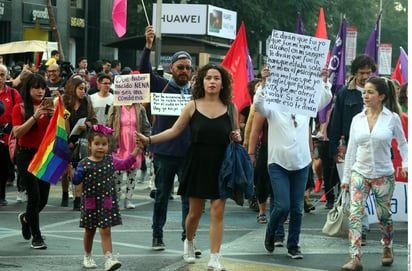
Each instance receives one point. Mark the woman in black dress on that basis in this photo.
(207, 115)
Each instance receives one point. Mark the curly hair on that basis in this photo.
(69, 97)
(226, 92)
(361, 61)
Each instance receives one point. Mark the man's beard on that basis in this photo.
(181, 80)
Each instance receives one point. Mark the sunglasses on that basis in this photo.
(182, 67)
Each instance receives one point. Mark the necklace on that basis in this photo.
(293, 116)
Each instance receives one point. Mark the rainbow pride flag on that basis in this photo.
(50, 161)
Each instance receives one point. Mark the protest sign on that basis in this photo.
(131, 88)
(295, 63)
(168, 104)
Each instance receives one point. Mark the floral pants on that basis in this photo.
(360, 187)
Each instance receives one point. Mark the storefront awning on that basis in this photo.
(25, 46)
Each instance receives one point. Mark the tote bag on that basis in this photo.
(338, 218)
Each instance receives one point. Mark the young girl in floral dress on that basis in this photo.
(99, 207)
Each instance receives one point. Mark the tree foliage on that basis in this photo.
(262, 16)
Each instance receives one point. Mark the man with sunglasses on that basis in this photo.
(169, 156)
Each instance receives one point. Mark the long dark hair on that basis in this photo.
(386, 87)
(33, 80)
(69, 97)
(402, 94)
(226, 92)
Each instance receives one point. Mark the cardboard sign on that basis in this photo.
(131, 88)
(295, 63)
(168, 104)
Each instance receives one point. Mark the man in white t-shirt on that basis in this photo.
(103, 99)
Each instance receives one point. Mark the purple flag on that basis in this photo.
(404, 65)
(372, 48)
(249, 66)
(301, 29)
(337, 73)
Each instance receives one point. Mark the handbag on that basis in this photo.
(337, 219)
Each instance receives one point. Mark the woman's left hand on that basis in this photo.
(235, 136)
(404, 172)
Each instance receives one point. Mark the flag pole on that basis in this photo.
(145, 13)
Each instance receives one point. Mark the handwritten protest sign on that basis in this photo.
(168, 103)
(131, 88)
(295, 63)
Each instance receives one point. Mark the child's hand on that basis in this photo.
(136, 150)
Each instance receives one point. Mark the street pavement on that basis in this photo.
(242, 247)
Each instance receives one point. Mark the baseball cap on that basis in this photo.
(181, 55)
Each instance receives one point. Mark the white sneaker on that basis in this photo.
(214, 263)
(128, 204)
(189, 251)
(21, 197)
(88, 262)
(112, 264)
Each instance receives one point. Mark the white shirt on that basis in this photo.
(288, 145)
(99, 105)
(369, 153)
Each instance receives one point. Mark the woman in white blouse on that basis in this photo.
(368, 165)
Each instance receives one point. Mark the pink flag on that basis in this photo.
(119, 15)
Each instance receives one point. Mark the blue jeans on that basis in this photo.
(288, 196)
(165, 168)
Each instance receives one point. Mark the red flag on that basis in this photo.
(119, 15)
(235, 60)
(397, 73)
(321, 30)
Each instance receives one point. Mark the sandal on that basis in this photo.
(261, 219)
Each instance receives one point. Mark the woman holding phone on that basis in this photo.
(30, 121)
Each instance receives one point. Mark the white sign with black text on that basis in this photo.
(295, 63)
(131, 88)
(169, 104)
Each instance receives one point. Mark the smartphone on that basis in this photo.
(48, 102)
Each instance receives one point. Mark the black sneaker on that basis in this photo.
(157, 244)
(38, 243)
(279, 241)
(269, 243)
(295, 253)
(25, 227)
(76, 204)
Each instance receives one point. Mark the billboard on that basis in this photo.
(221, 22)
(182, 19)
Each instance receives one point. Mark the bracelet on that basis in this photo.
(34, 117)
(149, 141)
